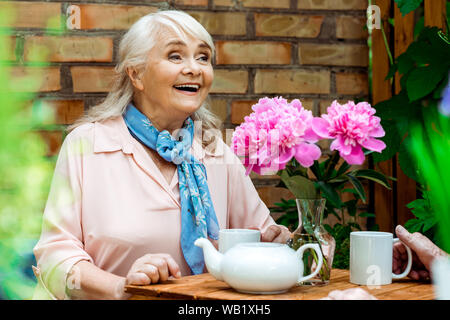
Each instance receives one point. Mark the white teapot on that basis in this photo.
(259, 267)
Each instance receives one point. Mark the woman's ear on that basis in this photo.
(135, 78)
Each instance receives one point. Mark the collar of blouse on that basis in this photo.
(113, 135)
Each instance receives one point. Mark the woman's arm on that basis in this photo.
(87, 281)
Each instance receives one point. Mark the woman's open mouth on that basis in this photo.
(188, 88)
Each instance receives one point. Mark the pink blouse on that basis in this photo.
(109, 204)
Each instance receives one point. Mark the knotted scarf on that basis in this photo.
(198, 218)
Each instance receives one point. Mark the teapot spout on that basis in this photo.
(213, 258)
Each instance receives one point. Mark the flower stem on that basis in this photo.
(324, 270)
(332, 164)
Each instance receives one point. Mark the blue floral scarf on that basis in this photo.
(198, 218)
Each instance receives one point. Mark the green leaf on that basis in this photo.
(428, 224)
(413, 225)
(405, 63)
(351, 207)
(301, 187)
(372, 175)
(437, 94)
(420, 53)
(343, 168)
(330, 194)
(420, 24)
(406, 6)
(392, 70)
(423, 80)
(337, 181)
(418, 203)
(354, 225)
(393, 108)
(353, 191)
(358, 186)
(367, 215)
(392, 139)
(315, 168)
(407, 163)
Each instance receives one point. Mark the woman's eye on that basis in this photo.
(174, 57)
(204, 58)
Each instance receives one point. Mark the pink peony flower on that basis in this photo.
(274, 133)
(352, 127)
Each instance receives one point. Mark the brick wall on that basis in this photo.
(314, 50)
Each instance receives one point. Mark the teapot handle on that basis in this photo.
(299, 253)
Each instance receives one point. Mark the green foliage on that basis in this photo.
(406, 6)
(425, 221)
(25, 177)
(424, 69)
(330, 181)
(431, 148)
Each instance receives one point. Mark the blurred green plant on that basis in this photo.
(431, 149)
(424, 68)
(25, 170)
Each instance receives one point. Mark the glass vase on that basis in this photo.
(311, 230)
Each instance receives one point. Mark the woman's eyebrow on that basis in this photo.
(182, 43)
(204, 45)
(175, 43)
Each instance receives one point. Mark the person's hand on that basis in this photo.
(152, 268)
(423, 250)
(349, 294)
(276, 233)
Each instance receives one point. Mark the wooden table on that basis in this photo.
(205, 286)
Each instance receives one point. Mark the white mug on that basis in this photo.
(371, 258)
(228, 238)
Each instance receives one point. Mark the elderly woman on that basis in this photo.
(135, 184)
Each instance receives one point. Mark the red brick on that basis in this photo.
(271, 195)
(240, 109)
(53, 140)
(292, 81)
(92, 79)
(352, 83)
(68, 49)
(280, 4)
(334, 54)
(219, 108)
(113, 17)
(64, 111)
(33, 79)
(27, 14)
(333, 4)
(230, 81)
(292, 25)
(254, 52)
(349, 27)
(222, 23)
(192, 2)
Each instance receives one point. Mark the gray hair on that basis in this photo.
(133, 53)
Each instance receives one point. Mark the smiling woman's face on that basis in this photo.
(177, 78)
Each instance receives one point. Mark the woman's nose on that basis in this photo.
(192, 67)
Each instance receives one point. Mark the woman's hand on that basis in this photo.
(276, 233)
(152, 268)
(349, 294)
(423, 250)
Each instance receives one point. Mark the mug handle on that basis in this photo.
(299, 253)
(408, 266)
